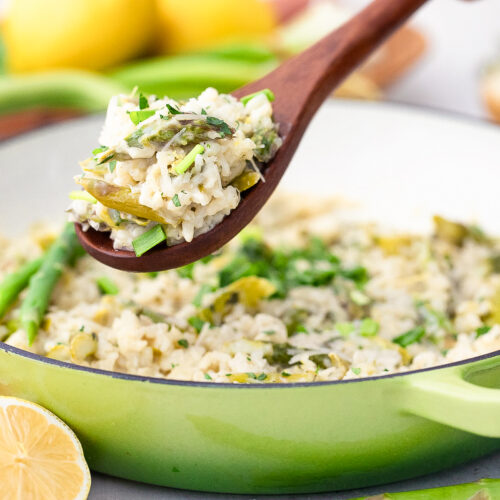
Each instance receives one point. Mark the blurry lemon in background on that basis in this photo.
(195, 24)
(89, 34)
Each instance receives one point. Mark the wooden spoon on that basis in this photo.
(300, 85)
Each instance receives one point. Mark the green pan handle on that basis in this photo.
(449, 399)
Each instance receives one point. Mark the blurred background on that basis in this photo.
(61, 59)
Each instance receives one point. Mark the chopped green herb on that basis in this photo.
(183, 343)
(268, 332)
(148, 240)
(172, 110)
(345, 328)
(82, 328)
(223, 127)
(279, 355)
(359, 298)
(82, 195)
(285, 374)
(262, 376)
(322, 361)
(203, 111)
(267, 92)
(188, 160)
(410, 337)
(112, 166)
(301, 329)
(152, 274)
(207, 376)
(107, 286)
(204, 289)
(143, 102)
(356, 371)
(482, 330)
(368, 328)
(176, 200)
(139, 116)
(252, 375)
(98, 150)
(196, 323)
(249, 358)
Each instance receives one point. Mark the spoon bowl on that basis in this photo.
(300, 86)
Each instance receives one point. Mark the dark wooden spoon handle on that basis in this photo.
(305, 81)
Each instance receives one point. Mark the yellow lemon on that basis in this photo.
(40, 456)
(195, 24)
(88, 34)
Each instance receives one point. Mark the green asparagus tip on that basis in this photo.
(31, 329)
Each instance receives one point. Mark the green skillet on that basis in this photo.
(280, 438)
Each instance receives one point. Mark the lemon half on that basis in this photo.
(40, 456)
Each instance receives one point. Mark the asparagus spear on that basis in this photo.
(62, 252)
(484, 489)
(13, 284)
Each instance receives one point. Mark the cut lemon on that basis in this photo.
(40, 456)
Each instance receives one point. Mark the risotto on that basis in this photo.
(172, 170)
(301, 295)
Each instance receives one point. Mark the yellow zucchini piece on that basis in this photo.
(60, 352)
(450, 231)
(119, 198)
(82, 346)
(392, 245)
(251, 290)
(246, 180)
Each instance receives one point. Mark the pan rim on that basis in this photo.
(214, 385)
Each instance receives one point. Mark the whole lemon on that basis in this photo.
(89, 34)
(196, 24)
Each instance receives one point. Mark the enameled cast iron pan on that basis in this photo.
(404, 164)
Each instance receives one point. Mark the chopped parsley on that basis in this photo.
(143, 101)
(139, 116)
(203, 111)
(183, 343)
(482, 330)
(283, 267)
(285, 374)
(223, 127)
(196, 323)
(268, 332)
(356, 371)
(176, 200)
(368, 328)
(172, 110)
(100, 149)
(207, 376)
(345, 328)
(82, 328)
(204, 289)
(410, 337)
(107, 286)
(112, 166)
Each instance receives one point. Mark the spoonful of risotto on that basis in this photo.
(175, 181)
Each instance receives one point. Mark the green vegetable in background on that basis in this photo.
(484, 489)
(13, 284)
(79, 90)
(62, 253)
(183, 76)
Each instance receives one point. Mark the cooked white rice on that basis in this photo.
(445, 289)
(138, 164)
